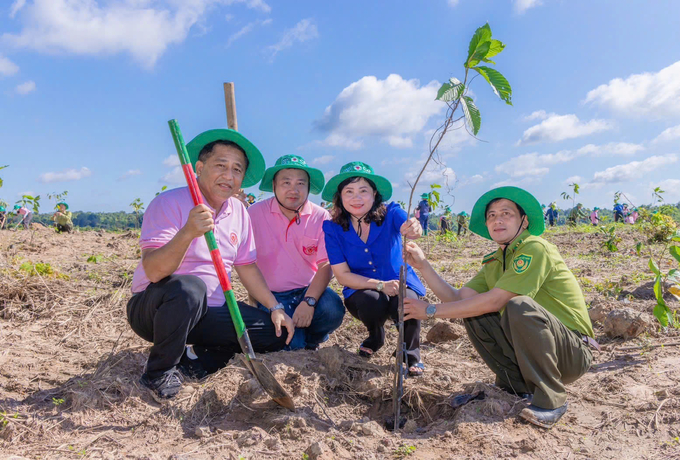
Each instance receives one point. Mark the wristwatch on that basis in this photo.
(311, 301)
(278, 306)
(431, 310)
(379, 287)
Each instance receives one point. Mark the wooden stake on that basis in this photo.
(230, 104)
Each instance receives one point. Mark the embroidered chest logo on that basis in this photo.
(233, 238)
(521, 263)
(310, 250)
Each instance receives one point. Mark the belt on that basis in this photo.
(591, 342)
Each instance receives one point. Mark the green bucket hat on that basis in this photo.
(17, 206)
(256, 163)
(316, 179)
(425, 196)
(518, 196)
(357, 169)
(596, 208)
(463, 213)
(61, 202)
(2, 209)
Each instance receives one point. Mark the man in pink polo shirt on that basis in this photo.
(177, 296)
(291, 250)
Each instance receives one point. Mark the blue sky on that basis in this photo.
(87, 87)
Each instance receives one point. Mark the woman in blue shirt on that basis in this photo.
(364, 245)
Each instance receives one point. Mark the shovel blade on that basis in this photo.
(269, 383)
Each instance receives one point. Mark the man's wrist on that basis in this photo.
(278, 306)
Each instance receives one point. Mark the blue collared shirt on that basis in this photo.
(380, 257)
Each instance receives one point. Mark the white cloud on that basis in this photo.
(557, 128)
(396, 161)
(252, 4)
(521, 6)
(453, 142)
(612, 148)
(303, 31)
(16, 6)
(246, 29)
(141, 28)
(174, 177)
(7, 67)
(632, 170)
(434, 174)
(669, 134)
(65, 176)
(453, 3)
(393, 110)
(329, 174)
(171, 161)
(228, 17)
(537, 115)
(646, 94)
(130, 173)
(477, 178)
(533, 164)
(671, 187)
(25, 88)
(323, 160)
(573, 179)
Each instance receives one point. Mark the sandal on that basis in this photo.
(416, 370)
(365, 352)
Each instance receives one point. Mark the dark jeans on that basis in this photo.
(423, 223)
(373, 308)
(68, 228)
(462, 228)
(174, 312)
(328, 315)
(618, 216)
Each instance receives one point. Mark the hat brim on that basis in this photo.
(383, 185)
(65, 205)
(256, 164)
(518, 196)
(316, 179)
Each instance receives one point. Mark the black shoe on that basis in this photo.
(164, 387)
(191, 369)
(544, 418)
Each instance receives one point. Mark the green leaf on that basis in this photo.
(499, 85)
(450, 92)
(434, 186)
(495, 47)
(658, 292)
(479, 54)
(675, 252)
(472, 116)
(654, 267)
(662, 314)
(482, 35)
(638, 247)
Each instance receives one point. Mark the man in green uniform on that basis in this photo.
(524, 311)
(576, 214)
(62, 217)
(462, 223)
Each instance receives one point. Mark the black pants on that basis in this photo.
(618, 216)
(463, 228)
(174, 312)
(373, 308)
(68, 228)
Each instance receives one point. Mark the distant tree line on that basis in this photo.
(112, 221)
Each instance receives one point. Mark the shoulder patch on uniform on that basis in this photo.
(521, 263)
(489, 258)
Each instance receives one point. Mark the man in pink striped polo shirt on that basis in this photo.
(177, 296)
(291, 250)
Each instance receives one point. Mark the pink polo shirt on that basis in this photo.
(169, 211)
(288, 261)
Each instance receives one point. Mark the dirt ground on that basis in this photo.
(69, 370)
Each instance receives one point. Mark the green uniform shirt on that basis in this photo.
(64, 218)
(462, 221)
(534, 268)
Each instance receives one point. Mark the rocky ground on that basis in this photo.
(69, 369)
